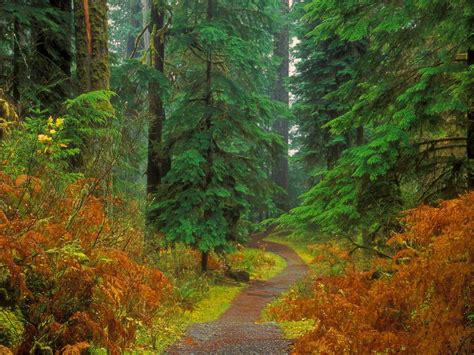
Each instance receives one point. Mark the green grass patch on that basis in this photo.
(300, 246)
(297, 329)
(260, 264)
(214, 305)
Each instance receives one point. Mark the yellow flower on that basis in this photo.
(59, 122)
(44, 138)
(52, 131)
(50, 120)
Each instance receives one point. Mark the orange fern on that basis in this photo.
(422, 303)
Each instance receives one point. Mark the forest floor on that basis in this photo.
(237, 331)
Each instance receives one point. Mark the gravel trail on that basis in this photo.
(235, 332)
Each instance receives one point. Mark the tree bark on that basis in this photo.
(92, 55)
(280, 93)
(158, 165)
(146, 35)
(19, 67)
(92, 61)
(470, 134)
(208, 103)
(204, 261)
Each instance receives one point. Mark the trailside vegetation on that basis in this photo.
(419, 301)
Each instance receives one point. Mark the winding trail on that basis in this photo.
(236, 331)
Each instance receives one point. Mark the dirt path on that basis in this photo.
(236, 332)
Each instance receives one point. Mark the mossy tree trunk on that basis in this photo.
(92, 60)
(19, 68)
(280, 93)
(92, 56)
(158, 164)
(208, 124)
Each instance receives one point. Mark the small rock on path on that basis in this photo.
(235, 332)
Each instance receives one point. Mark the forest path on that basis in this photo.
(236, 331)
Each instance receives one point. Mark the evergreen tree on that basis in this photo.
(325, 65)
(215, 132)
(409, 94)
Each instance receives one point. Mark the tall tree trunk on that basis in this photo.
(470, 133)
(204, 261)
(146, 35)
(280, 93)
(92, 54)
(158, 165)
(19, 67)
(92, 59)
(136, 24)
(208, 103)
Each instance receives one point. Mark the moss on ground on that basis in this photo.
(260, 264)
(300, 246)
(296, 329)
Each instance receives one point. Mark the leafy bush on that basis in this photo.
(11, 327)
(69, 271)
(181, 264)
(258, 263)
(419, 302)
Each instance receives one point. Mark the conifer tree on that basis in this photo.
(215, 132)
(36, 52)
(411, 97)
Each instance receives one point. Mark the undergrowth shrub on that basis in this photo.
(69, 273)
(181, 264)
(418, 302)
(257, 262)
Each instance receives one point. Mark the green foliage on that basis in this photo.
(260, 264)
(35, 53)
(39, 145)
(89, 115)
(181, 265)
(297, 329)
(215, 131)
(388, 70)
(11, 327)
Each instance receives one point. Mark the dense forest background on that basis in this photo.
(144, 141)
